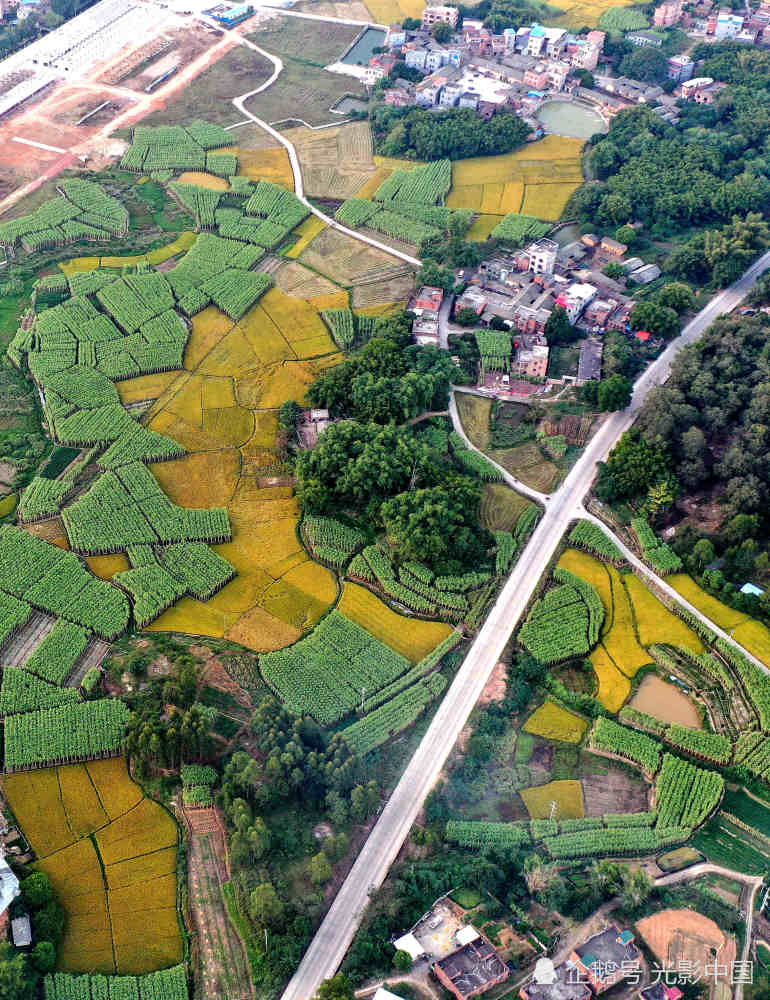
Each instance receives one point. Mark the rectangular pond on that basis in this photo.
(362, 50)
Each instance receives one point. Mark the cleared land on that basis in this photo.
(111, 855)
(336, 162)
(304, 91)
(537, 180)
(676, 936)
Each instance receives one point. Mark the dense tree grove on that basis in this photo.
(296, 777)
(457, 133)
(707, 429)
(382, 468)
(21, 971)
(711, 170)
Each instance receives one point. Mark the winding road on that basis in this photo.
(334, 936)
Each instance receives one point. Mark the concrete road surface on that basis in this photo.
(328, 947)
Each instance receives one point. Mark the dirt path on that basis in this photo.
(223, 967)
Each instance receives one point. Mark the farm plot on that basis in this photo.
(336, 162)
(591, 14)
(654, 622)
(553, 722)
(526, 462)
(223, 407)
(557, 800)
(410, 637)
(111, 856)
(537, 180)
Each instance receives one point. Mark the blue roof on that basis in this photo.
(537, 30)
(752, 589)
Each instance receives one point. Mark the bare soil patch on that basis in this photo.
(676, 936)
(617, 791)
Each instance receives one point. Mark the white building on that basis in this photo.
(9, 890)
(728, 25)
(542, 256)
(546, 41)
(440, 15)
(575, 299)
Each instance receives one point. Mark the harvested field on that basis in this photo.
(553, 722)
(24, 643)
(289, 38)
(411, 637)
(568, 796)
(97, 837)
(307, 232)
(609, 788)
(296, 280)
(677, 936)
(501, 507)
(665, 701)
(336, 162)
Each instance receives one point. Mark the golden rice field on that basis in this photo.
(584, 14)
(568, 796)
(202, 179)
(553, 722)
(720, 614)
(537, 180)
(105, 567)
(411, 637)
(755, 637)
(307, 232)
(111, 855)
(620, 641)
(655, 623)
(593, 571)
(266, 165)
(613, 686)
(80, 265)
(394, 11)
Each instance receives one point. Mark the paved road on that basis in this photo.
(299, 187)
(326, 951)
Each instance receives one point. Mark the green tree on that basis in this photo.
(645, 63)
(36, 890)
(558, 329)
(677, 296)
(442, 32)
(626, 234)
(659, 320)
(320, 869)
(614, 393)
(44, 957)
(433, 274)
(14, 978)
(265, 906)
(636, 888)
(615, 270)
(466, 316)
(289, 415)
(402, 961)
(338, 987)
(702, 554)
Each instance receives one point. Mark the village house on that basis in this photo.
(668, 14)
(565, 985)
(680, 68)
(590, 360)
(532, 361)
(644, 38)
(440, 15)
(474, 968)
(607, 958)
(726, 25)
(702, 90)
(546, 41)
(9, 890)
(425, 306)
(575, 298)
(542, 256)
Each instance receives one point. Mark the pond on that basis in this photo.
(347, 105)
(362, 50)
(666, 702)
(571, 118)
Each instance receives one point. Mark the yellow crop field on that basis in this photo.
(334, 300)
(720, 614)
(620, 641)
(208, 327)
(593, 571)
(202, 179)
(105, 567)
(553, 722)
(266, 165)
(654, 622)
(547, 201)
(408, 636)
(568, 796)
(368, 190)
(584, 14)
(81, 265)
(755, 637)
(614, 687)
(9, 504)
(135, 390)
(536, 180)
(307, 232)
(111, 855)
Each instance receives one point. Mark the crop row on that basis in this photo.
(330, 671)
(589, 536)
(23, 692)
(168, 984)
(560, 625)
(342, 325)
(65, 734)
(634, 840)
(394, 716)
(426, 665)
(609, 736)
(515, 229)
(756, 683)
(400, 228)
(659, 555)
(427, 185)
(685, 794)
(331, 540)
(710, 746)
(58, 653)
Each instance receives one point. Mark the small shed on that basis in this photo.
(21, 931)
(410, 945)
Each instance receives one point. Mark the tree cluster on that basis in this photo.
(21, 971)
(457, 133)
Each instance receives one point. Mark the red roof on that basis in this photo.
(645, 336)
(673, 993)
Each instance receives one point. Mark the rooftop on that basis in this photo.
(567, 986)
(473, 967)
(608, 950)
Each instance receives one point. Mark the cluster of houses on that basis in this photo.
(467, 964)
(481, 70)
(523, 287)
(520, 67)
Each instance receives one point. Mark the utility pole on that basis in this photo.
(554, 807)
